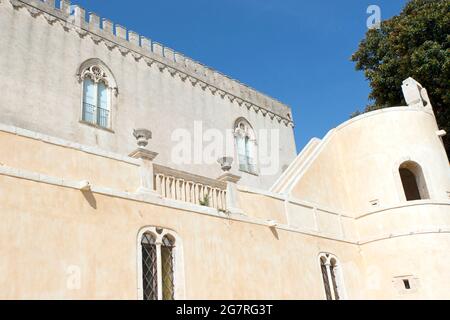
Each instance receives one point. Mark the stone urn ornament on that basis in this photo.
(142, 136)
(225, 163)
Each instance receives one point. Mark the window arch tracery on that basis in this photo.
(98, 90)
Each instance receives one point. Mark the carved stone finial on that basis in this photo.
(415, 94)
(142, 136)
(225, 163)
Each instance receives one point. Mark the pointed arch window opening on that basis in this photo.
(413, 181)
(158, 266)
(246, 146)
(331, 276)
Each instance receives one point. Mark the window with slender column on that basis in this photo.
(331, 276)
(98, 91)
(333, 272)
(96, 97)
(246, 146)
(158, 264)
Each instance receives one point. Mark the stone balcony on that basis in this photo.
(184, 186)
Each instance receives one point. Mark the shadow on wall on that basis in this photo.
(275, 233)
(88, 195)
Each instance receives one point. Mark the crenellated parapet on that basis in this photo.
(127, 42)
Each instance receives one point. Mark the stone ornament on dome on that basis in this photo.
(415, 94)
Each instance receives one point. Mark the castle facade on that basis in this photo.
(110, 189)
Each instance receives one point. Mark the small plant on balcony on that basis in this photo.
(205, 201)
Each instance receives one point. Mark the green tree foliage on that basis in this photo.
(413, 44)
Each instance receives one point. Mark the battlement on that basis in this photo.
(114, 36)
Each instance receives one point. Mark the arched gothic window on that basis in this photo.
(246, 146)
(99, 88)
(413, 181)
(157, 265)
(331, 276)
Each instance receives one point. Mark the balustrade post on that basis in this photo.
(146, 158)
(195, 194)
(182, 190)
(158, 185)
(192, 192)
(188, 191)
(231, 199)
(163, 185)
(173, 188)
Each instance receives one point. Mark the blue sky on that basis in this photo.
(296, 51)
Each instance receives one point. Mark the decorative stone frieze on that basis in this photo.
(72, 18)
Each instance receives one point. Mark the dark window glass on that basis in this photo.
(167, 268)
(406, 283)
(409, 184)
(149, 267)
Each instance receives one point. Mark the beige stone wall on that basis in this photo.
(421, 257)
(358, 161)
(324, 182)
(49, 226)
(44, 157)
(262, 207)
(344, 195)
(353, 172)
(52, 226)
(39, 62)
(376, 145)
(46, 229)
